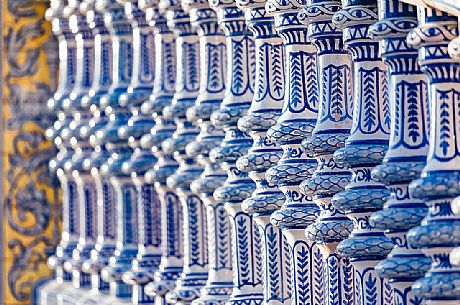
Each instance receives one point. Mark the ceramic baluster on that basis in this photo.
(438, 234)
(102, 80)
(329, 134)
(212, 89)
(67, 66)
(120, 151)
(295, 124)
(194, 273)
(238, 186)
(147, 210)
(162, 95)
(263, 113)
(86, 197)
(407, 151)
(364, 149)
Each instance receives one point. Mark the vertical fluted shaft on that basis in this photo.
(238, 186)
(408, 147)
(161, 97)
(331, 130)
(194, 273)
(364, 149)
(295, 124)
(439, 232)
(211, 93)
(67, 66)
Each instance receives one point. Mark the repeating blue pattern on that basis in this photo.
(332, 128)
(364, 149)
(437, 234)
(407, 151)
(268, 168)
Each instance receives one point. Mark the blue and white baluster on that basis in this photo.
(126, 193)
(364, 149)
(407, 151)
(454, 52)
(295, 124)
(162, 95)
(102, 80)
(67, 67)
(238, 186)
(264, 111)
(212, 89)
(332, 129)
(148, 256)
(194, 273)
(439, 233)
(86, 196)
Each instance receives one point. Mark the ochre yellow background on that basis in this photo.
(10, 23)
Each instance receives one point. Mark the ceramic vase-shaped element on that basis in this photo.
(271, 246)
(161, 97)
(194, 273)
(139, 124)
(438, 234)
(408, 147)
(295, 123)
(331, 130)
(102, 80)
(124, 189)
(67, 65)
(211, 93)
(86, 192)
(364, 149)
(238, 186)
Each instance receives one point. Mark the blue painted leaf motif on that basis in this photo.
(257, 254)
(288, 265)
(318, 276)
(191, 79)
(367, 78)
(302, 274)
(385, 101)
(444, 122)
(273, 272)
(243, 249)
(332, 282)
(277, 72)
(348, 283)
(413, 111)
(238, 67)
(170, 73)
(125, 61)
(106, 64)
(303, 87)
(71, 59)
(388, 293)
(371, 290)
(216, 72)
(193, 233)
(262, 73)
(222, 238)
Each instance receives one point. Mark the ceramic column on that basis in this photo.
(297, 122)
(331, 130)
(194, 273)
(238, 186)
(125, 191)
(439, 232)
(148, 207)
(162, 95)
(212, 89)
(67, 67)
(105, 213)
(364, 149)
(408, 147)
(270, 247)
